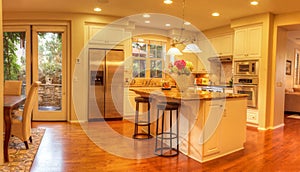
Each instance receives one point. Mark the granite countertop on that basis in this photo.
(188, 95)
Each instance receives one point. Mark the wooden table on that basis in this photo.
(10, 103)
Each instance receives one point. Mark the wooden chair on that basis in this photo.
(21, 120)
(12, 87)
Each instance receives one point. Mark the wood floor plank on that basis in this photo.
(66, 147)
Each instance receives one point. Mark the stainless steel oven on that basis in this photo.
(248, 67)
(247, 85)
(251, 90)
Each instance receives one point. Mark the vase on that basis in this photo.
(182, 82)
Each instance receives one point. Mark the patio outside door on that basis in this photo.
(49, 67)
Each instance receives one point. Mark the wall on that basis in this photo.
(281, 56)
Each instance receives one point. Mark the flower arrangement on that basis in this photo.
(181, 67)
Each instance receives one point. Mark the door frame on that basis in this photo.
(27, 24)
(51, 115)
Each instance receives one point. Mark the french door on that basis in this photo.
(45, 60)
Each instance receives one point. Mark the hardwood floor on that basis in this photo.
(66, 147)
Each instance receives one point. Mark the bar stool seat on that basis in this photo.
(138, 122)
(166, 147)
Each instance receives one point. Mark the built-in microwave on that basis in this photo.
(249, 67)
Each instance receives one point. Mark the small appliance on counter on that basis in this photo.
(201, 81)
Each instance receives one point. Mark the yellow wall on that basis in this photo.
(218, 31)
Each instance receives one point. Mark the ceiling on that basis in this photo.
(198, 12)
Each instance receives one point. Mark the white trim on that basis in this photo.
(252, 125)
(277, 126)
(272, 127)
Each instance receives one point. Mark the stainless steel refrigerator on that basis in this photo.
(106, 76)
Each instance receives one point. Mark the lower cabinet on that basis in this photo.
(220, 129)
(129, 104)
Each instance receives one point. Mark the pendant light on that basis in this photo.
(189, 48)
(173, 51)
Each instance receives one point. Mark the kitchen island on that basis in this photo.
(211, 124)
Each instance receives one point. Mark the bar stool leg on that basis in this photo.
(156, 132)
(171, 129)
(162, 132)
(149, 134)
(136, 119)
(177, 133)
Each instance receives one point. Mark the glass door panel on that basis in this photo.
(16, 54)
(49, 54)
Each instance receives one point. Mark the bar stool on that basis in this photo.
(137, 134)
(162, 135)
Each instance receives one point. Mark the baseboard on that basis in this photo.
(272, 127)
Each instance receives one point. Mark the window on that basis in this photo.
(148, 58)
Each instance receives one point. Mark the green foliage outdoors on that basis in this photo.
(50, 57)
(11, 67)
(49, 52)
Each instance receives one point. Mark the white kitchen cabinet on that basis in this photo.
(220, 129)
(105, 35)
(223, 44)
(233, 125)
(211, 131)
(129, 104)
(196, 60)
(247, 42)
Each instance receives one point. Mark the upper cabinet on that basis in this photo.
(223, 44)
(247, 42)
(106, 35)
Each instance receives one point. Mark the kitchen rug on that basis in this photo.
(20, 158)
(294, 116)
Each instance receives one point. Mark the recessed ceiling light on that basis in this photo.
(147, 21)
(215, 14)
(97, 9)
(146, 15)
(168, 1)
(167, 25)
(187, 23)
(254, 2)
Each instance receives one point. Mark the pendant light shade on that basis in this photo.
(191, 48)
(174, 51)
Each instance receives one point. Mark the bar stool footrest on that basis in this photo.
(166, 152)
(142, 136)
(166, 135)
(142, 123)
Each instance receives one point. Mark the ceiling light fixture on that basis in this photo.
(168, 25)
(97, 9)
(187, 23)
(147, 21)
(146, 15)
(189, 48)
(215, 14)
(254, 2)
(168, 1)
